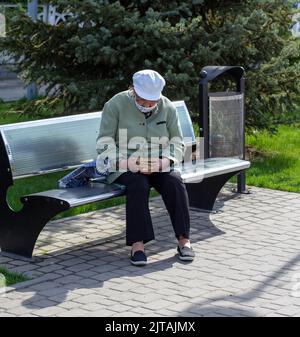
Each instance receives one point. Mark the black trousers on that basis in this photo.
(138, 219)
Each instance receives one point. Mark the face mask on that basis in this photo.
(144, 109)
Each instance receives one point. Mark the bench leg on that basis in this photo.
(20, 230)
(204, 194)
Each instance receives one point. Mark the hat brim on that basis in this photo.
(145, 95)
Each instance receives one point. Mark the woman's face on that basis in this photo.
(144, 102)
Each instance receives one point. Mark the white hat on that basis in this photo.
(148, 84)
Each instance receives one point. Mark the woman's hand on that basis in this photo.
(148, 166)
(165, 162)
(129, 165)
(156, 165)
(133, 164)
(123, 164)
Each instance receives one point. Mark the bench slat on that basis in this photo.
(82, 195)
(211, 167)
(185, 123)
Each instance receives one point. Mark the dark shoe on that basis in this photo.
(138, 258)
(186, 253)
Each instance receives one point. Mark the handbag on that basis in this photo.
(83, 174)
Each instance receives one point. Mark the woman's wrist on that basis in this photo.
(123, 164)
(164, 162)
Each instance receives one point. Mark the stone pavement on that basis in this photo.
(247, 264)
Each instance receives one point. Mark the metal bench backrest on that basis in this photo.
(41, 146)
(56, 144)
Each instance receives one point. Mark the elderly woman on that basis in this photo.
(134, 123)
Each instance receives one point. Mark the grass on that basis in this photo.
(9, 114)
(276, 160)
(10, 278)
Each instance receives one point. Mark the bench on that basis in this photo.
(57, 144)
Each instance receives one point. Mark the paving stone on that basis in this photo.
(119, 308)
(44, 303)
(102, 313)
(158, 304)
(49, 311)
(75, 313)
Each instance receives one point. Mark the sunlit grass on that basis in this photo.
(276, 164)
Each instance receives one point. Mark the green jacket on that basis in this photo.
(120, 113)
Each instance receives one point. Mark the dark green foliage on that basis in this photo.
(94, 54)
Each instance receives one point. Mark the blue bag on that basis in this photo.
(83, 174)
